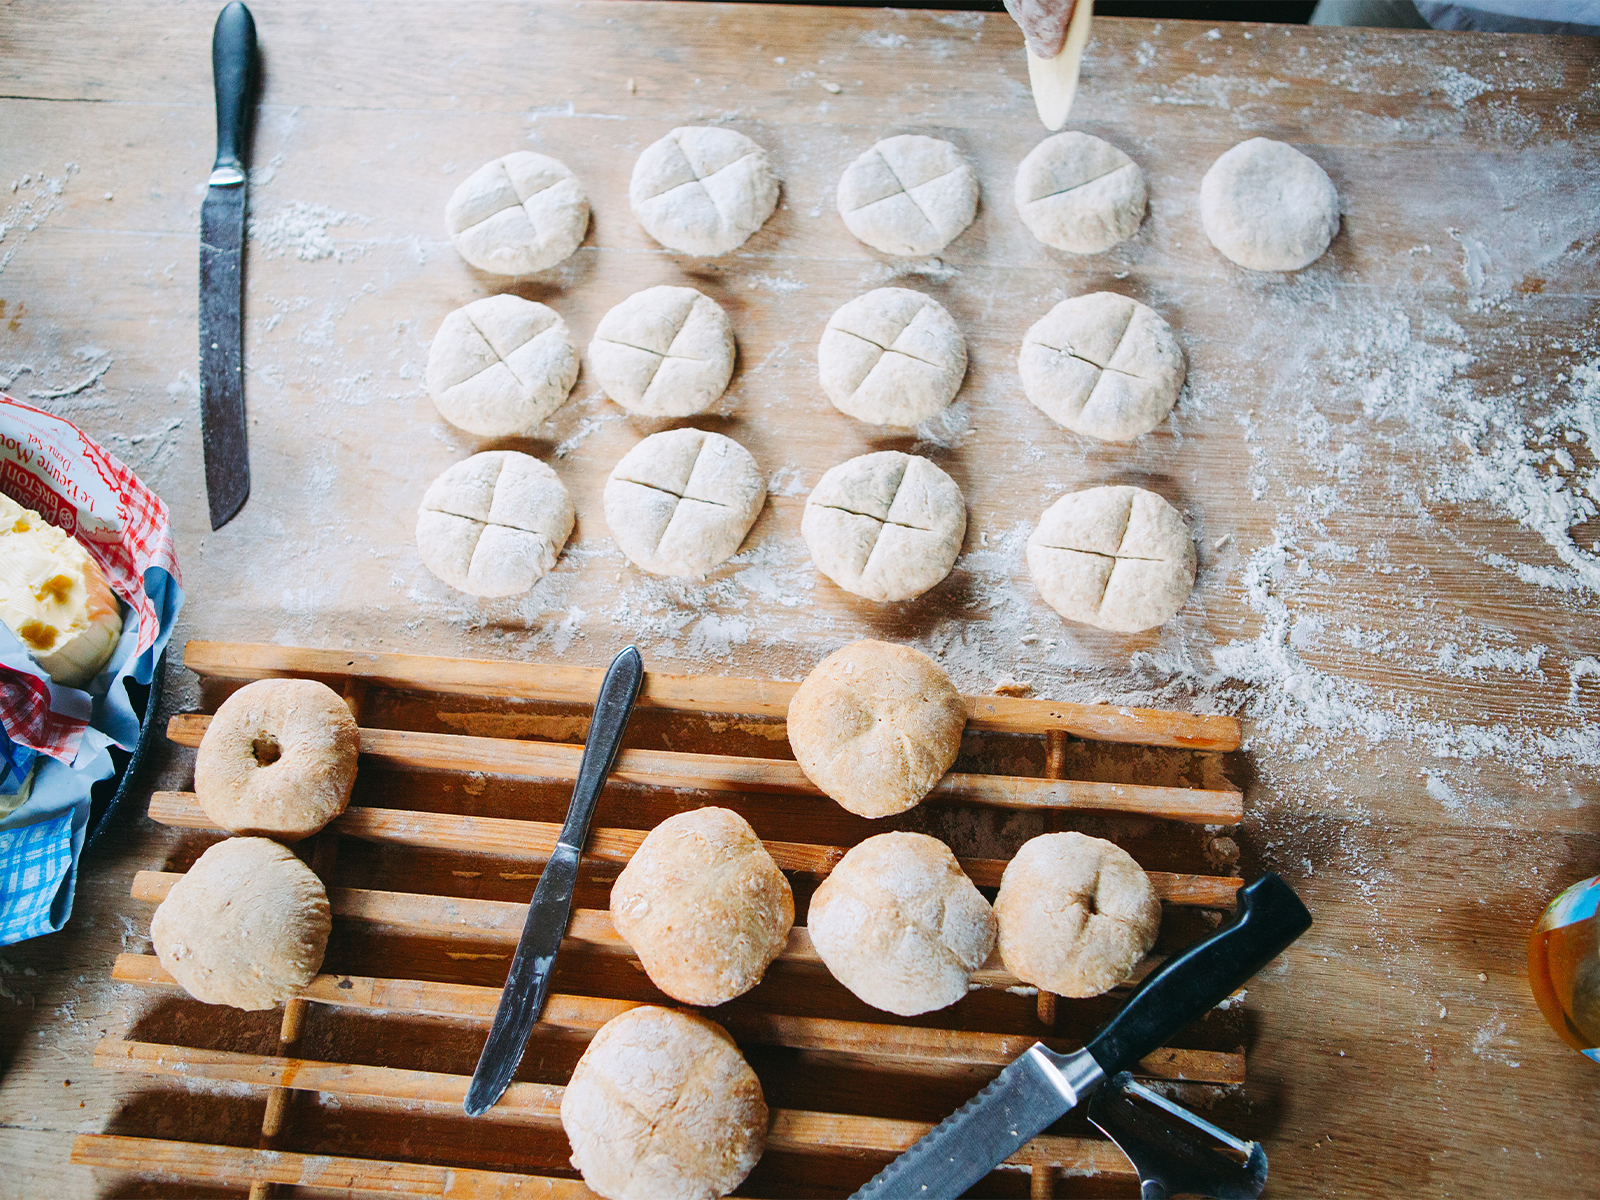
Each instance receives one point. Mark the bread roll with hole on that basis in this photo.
(662, 1106)
(703, 906)
(279, 759)
(899, 923)
(1076, 914)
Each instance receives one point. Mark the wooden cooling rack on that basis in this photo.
(357, 1084)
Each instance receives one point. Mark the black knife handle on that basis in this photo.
(618, 690)
(234, 64)
(1269, 918)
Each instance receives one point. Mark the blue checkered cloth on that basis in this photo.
(35, 863)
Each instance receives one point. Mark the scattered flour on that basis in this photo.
(301, 229)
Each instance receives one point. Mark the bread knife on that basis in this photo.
(1042, 1086)
(533, 967)
(235, 65)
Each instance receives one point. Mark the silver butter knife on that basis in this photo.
(528, 982)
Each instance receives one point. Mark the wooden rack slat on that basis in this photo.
(730, 773)
(694, 693)
(586, 1014)
(533, 1103)
(534, 840)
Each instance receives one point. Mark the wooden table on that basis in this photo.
(1375, 594)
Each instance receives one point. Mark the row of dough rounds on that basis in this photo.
(704, 190)
(1100, 364)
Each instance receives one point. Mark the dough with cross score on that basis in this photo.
(703, 190)
(1076, 914)
(908, 195)
(662, 1106)
(886, 526)
(247, 925)
(899, 923)
(1269, 207)
(876, 726)
(499, 366)
(703, 906)
(1118, 558)
(681, 502)
(278, 759)
(493, 524)
(892, 357)
(518, 214)
(1103, 365)
(664, 352)
(1080, 193)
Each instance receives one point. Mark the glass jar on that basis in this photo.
(1564, 966)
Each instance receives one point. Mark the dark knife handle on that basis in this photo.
(618, 690)
(234, 65)
(1269, 918)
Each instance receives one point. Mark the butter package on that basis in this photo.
(89, 593)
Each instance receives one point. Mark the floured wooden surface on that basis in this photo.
(1387, 458)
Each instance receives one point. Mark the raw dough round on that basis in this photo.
(703, 190)
(908, 195)
(703, 906)
(279, 759)
(662, 1106)
(493, 524)
(1114, 557)
(681, 502)
(518, 214)
(899, 923)
(1079, 193)
(892, 357)
(1102, 364)
(886, 526)
(247, 925)
(664, 352)
(876, 726)
(501, 365)
(1268, 207)
(1076, 914)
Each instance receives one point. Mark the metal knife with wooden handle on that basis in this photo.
(533, 967)
(235, 65)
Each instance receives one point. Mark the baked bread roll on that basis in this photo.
(247, 925)
(1076, 914)
(899, 923)
(703, 906)
(279, 759)
(662, 1106)
(875, 726)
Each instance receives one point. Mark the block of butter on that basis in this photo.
(54, 598)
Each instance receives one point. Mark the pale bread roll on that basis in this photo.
(662, 1106)
(875, 726)
(1076, 914)
(900, 924)
(703, 906)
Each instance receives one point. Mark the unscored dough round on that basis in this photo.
(1080, 193)
(493, 524)
(703, 190)
(662, 1106)
(908, 195)
(681, 501)
(664, 352)
(501, 365)
(1076, 914)
(876, 726)
(247, 925)
(1102, 364)
(703, 906)
(1269, 207)
(277, 759)
(518, 214)
(892, 357)
(898, 922)
(1118, 558)
(886, 526)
